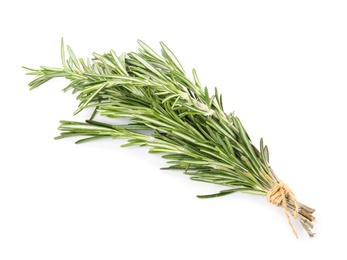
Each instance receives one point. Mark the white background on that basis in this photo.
(281, 66)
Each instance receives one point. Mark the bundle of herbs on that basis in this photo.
(188, 126)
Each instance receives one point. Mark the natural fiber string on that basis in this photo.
(277, 196)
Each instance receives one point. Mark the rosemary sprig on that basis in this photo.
(187, 124)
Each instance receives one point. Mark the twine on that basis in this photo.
(277, 195)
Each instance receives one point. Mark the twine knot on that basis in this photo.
(277, 195)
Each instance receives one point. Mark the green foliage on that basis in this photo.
(188, 125)
(169, 113)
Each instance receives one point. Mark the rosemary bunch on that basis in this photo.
(188, 125)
